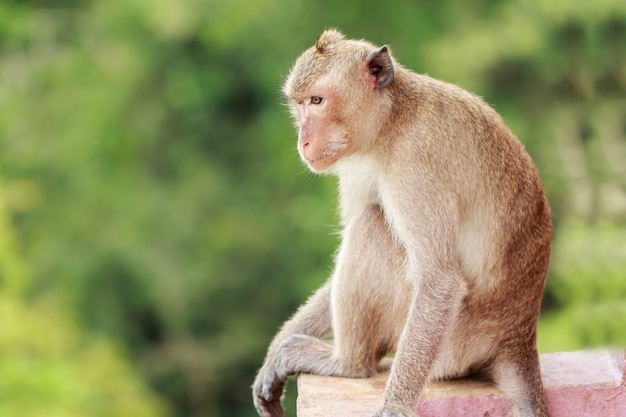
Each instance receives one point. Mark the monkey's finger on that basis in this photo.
(272, 390)
(269, 408)
(261, 407)
(275, 409)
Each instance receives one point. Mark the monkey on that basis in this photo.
(445, 235)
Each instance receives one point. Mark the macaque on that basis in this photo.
(445, 236)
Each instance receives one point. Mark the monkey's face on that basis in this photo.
(334, 123)
(322, 136)
(335, 106)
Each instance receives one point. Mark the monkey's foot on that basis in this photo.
(266, 393)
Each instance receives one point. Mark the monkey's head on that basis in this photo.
(338, 96)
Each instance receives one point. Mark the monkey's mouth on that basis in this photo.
(320, 164)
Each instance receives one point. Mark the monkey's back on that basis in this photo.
(452, 137)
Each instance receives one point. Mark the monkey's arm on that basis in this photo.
(434, 308)
(312, 319)
(438, 290)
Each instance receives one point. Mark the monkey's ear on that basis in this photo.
(379, 67)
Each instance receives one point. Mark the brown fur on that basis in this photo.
(445, 242)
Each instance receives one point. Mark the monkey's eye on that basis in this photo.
(316, 100)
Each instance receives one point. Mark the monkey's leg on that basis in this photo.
(313, 319)
(364, 297)
(518, 375)
(363, 301)
(370, 296)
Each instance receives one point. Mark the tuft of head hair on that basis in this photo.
(327, 38)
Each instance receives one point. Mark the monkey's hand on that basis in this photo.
(390, 412)
(266, 392)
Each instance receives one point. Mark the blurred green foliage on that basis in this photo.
(52, 367)
(156, 226)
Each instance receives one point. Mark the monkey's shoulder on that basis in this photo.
(429, 93)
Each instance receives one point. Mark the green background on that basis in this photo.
(157, 226)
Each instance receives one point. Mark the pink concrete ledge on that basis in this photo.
(578, 384)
